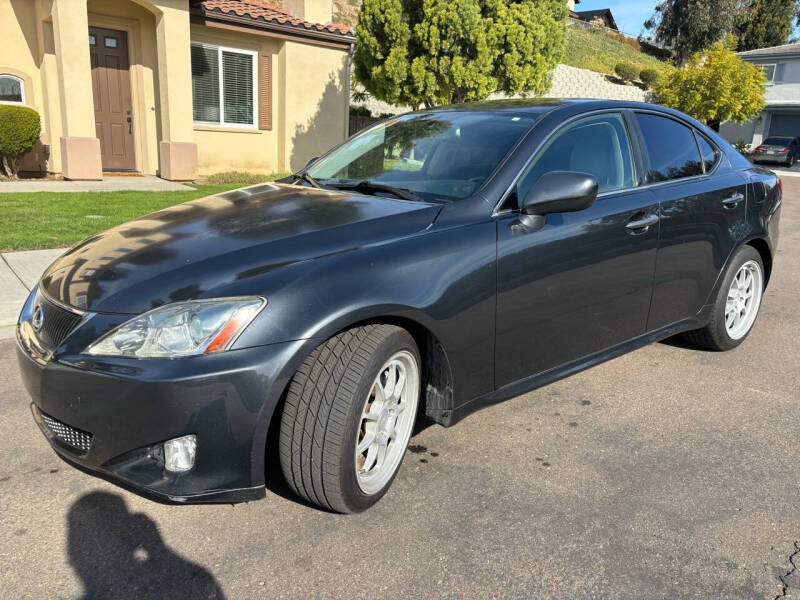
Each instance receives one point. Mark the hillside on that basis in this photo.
(599, 51)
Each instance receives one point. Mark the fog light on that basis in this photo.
(179, 453)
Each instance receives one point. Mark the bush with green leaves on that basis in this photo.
(433, 52)
(19, 131)
(648, 77)
(627, 72)
(742, 147)
(714, 86)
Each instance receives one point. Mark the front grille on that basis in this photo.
(57, 323)
(80, 440)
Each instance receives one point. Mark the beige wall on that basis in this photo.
(314, 101)
(309, 101)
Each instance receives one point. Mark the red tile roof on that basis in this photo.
(266, 13)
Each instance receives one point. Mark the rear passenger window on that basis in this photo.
(708, 152)
(671, 147)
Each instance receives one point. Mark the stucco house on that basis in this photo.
(781, 117)
(178, 88)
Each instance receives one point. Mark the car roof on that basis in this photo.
(541, 106)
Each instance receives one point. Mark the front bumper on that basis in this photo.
(130, 407)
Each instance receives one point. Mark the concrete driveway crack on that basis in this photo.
(786, 577)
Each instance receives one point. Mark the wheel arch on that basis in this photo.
(762, 247)
(436, 394)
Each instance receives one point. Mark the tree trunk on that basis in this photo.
(714, 125)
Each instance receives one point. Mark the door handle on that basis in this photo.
(733, 200)
(130, 121)
(643, 224)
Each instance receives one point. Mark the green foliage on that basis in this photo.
(435, 52)
(239, 177)
(19, 131)
(648, 77)
(742, 147)
(766, 23)
(600, 50)
(689, 26)
(626, 71)
(714, 86)
(359, 111)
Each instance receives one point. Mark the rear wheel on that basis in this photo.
(790, 161)
(736, 305)
(348, 417)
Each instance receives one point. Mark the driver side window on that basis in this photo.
(596, 145)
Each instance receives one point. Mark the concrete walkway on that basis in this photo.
(19, 272)
(109, 184)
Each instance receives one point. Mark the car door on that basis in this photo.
(702, 210)
(583, 282)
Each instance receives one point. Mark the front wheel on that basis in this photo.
(736, 305)
(349, 413)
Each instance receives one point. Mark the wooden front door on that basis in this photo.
(111, 84)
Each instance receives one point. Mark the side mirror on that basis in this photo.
(560, 191)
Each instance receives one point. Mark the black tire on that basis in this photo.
(714, 336)
(321, 416)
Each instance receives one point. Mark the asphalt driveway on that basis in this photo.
(666, 473)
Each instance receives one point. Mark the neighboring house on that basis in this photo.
(603, 14)
(781, 117)
(174, 87)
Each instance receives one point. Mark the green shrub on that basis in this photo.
(359, 111)
(648, 76)
(626, 71)
(243, 178)
(742, 147)
(19, 132)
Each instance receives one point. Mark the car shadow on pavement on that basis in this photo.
(120, 554)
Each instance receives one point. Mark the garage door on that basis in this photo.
(785, 125)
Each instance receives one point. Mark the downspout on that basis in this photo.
(350, 53)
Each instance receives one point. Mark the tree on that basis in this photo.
(766, 23)
(689, 26)
(434, 52)
(714, 86)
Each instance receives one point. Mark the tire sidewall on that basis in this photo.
(352, 494)
(743, 255)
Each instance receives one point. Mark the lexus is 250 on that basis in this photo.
(433, 264)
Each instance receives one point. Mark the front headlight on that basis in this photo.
(181, 329)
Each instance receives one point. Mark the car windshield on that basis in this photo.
(435, 156)
(778, 141)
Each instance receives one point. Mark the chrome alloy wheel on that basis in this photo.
(744, 299)
(387, 420)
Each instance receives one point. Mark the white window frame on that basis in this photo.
(764, 68)
(21, 87)
(222, 123)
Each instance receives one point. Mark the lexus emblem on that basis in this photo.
(38, 318)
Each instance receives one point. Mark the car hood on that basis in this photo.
(214, 246)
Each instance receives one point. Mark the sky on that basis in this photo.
(630, 15)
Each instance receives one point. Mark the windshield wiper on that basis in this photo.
(303, 176)
(370, 186)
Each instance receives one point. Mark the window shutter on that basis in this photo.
(265, 90)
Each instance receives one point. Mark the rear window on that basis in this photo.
(671, 147)
(778, 141)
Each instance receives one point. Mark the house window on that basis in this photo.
(769, 72)
(12, 90)
(224, 86)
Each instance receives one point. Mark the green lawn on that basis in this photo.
(54, 220)
(596, 50)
